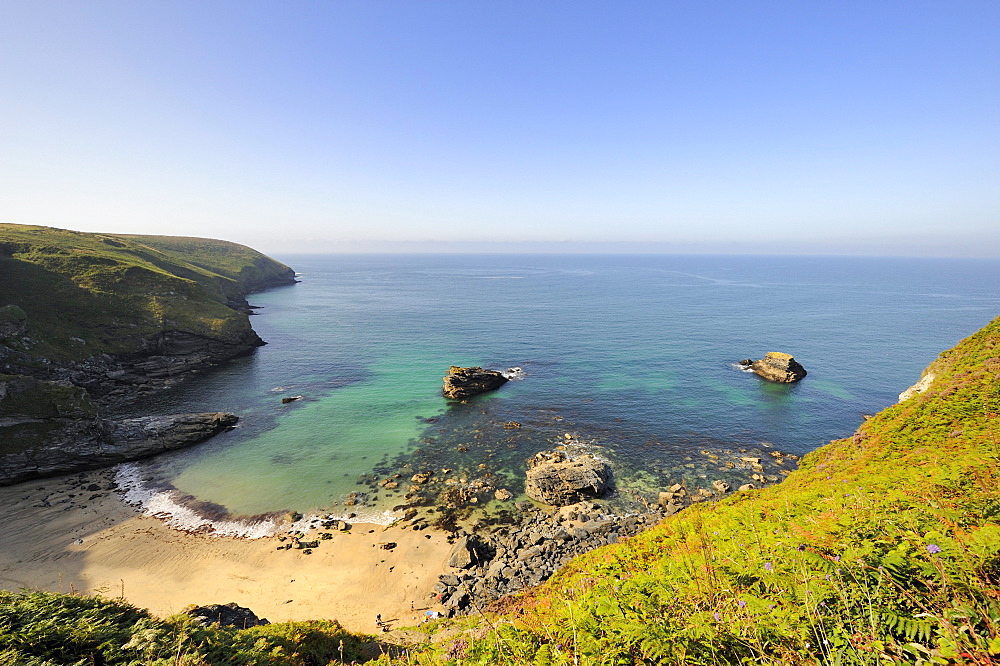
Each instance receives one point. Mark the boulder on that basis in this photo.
(557, 480)
(463, 555)
(720, 486)
(779, 367)
(462, 383)
(227, 615)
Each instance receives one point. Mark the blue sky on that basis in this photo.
(788, 127)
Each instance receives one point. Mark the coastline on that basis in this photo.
(61, 537)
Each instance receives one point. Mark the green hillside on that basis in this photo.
(86, 294)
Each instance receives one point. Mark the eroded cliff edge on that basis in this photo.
(106, 318)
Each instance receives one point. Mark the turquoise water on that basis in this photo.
(632, 355)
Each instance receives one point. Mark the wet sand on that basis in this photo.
(94, 543)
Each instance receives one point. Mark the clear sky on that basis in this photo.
(845, 127)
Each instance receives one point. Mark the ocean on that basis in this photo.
(631, 358)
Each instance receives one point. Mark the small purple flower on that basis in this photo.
(933, 548)
(836, 558)
(741, 603)
(718, 618)
(802, 547)
(768, 566)
(828, 576)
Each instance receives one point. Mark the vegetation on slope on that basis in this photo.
(42, 629)
(884, 547)
(86, 294)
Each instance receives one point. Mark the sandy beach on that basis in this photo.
(60, 536)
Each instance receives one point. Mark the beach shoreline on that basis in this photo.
(75, 534)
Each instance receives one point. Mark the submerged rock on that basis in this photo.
(555, 479)
(778, 367)
(461, 383)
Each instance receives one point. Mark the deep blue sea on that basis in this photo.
(633, 356)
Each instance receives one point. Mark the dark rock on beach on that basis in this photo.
(777, 367)
(555, 479)
(461, 383)
(227, 615)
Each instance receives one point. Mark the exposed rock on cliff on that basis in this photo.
(919, 387)
(554, 479)
(462, 383)
(777, 367)
(13, 322)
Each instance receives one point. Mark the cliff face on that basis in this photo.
(124, 314)
(91, 321)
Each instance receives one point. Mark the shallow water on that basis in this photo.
(632, 355)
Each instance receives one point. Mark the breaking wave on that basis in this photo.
(187, 514)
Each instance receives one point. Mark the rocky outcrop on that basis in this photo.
(52, 427)
(13, 322)
(461, 383)
(555, 479)
(511, 558)
(777, 367)
(226, 615)
(919, 387)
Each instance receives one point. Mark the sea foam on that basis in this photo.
(166, 504)
(170, 506)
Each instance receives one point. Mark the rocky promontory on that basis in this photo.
(89, 322)
(461, 383)
(776, 367)
(52, 427)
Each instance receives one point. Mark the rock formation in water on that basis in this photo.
(777, 367)
(53, 427)
(555, 479)
(461, 383)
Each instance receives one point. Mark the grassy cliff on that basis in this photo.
(85, 294)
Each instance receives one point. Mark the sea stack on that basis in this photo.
(554, 478)
(462, 383)
(777, 367)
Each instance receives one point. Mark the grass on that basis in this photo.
(85, 294)
(44, 629)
